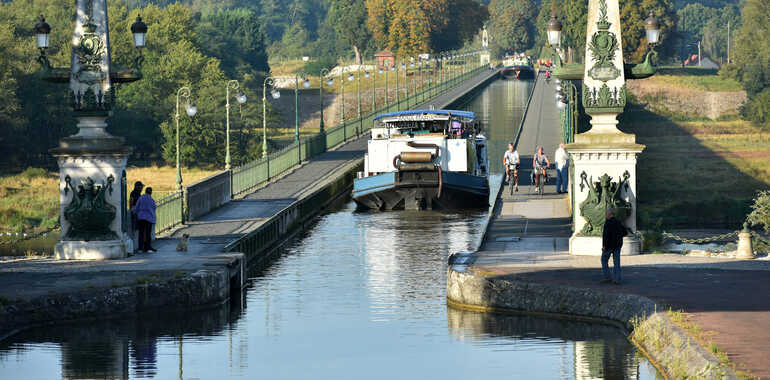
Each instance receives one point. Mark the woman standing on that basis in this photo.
(145, 215)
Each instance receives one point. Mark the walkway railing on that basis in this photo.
(251, 175)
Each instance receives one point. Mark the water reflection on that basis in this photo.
(112, 349)
(589, 351)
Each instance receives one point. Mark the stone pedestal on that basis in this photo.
(745, 249)
(597, 154)
(96, 160)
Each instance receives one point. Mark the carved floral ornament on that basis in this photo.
(604, 45)
(602, 196)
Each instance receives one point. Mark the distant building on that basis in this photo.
(385, 59)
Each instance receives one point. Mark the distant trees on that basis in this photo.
(348, 17)
(183, 48)
(752, 61)
(412, 27)
(709, 26)
(632, 15)
(512, 25)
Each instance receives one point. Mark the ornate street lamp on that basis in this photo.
(324, 73)
(394, 68)
(652, 27)
(275, 94)
(358, 102)
(191, 110)
(241, 98)
(553, 30)
(139, 32)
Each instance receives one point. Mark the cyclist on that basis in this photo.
(511, 162)
(540, 162)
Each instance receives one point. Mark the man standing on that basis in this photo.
(132, 200)
(562, 169)
(511, 162)
(612, 241)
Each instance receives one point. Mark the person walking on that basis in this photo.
(612, 242)
(133, 198)
(145, 214)
(562, 169)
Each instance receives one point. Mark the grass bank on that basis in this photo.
(29, 201)
(697, 173)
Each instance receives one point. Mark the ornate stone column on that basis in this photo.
(92, 162)
(604, 157)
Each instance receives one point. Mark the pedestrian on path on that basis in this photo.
(145, 214)
(612, 242)
(562, 169)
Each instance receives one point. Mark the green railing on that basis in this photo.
(171, 209)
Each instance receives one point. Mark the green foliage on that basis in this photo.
(201, 50)
(30, 173)
(409, 28)
(315, 67)
(708, 25)
(633, 13)
(347, 18)
(512, 25)
(760, 210)
(752, 61)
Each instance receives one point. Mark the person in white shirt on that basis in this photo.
(562, 169)
(511, 162)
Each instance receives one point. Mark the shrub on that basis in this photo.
(30, 173)
(760, 210)
(315, 67)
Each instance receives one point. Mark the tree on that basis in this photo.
(632, 15)
(409, 28)
(349, 19)
(752, 60)
(512, 25)
(760, 210)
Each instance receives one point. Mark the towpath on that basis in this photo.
(528, 239)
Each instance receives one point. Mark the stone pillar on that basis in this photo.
(745, 249)
(92, 162)
(604, 157)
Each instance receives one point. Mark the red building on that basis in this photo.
(384, 59)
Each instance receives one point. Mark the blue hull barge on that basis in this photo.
(424, 159)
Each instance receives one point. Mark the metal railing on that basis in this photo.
(172, 209)
(169, 212)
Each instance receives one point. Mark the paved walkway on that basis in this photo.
(528, 240)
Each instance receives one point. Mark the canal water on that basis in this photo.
(359, 296)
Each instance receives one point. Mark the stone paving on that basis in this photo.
(528, 240)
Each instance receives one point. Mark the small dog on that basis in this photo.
(182, 246)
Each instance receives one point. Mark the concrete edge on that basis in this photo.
(668, 347)
(208, 286)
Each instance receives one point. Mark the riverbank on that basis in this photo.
(524, 266)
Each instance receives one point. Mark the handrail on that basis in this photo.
(526, 110)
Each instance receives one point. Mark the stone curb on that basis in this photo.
(199, 289)
(674, 352)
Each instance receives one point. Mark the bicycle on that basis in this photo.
(513, 180)
(541, 180)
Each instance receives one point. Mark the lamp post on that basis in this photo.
(398, 90)
(387, 95)
(191, 110)
(305, 84)
(92, 157)
(324, 73)
(374, 87)
(275, 94)
(241, 98)
(360, 125)
(406, 83)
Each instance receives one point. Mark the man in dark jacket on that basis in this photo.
(612, 241)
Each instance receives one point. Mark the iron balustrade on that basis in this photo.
(172, 209)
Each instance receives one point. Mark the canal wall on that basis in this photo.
(499, 281)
